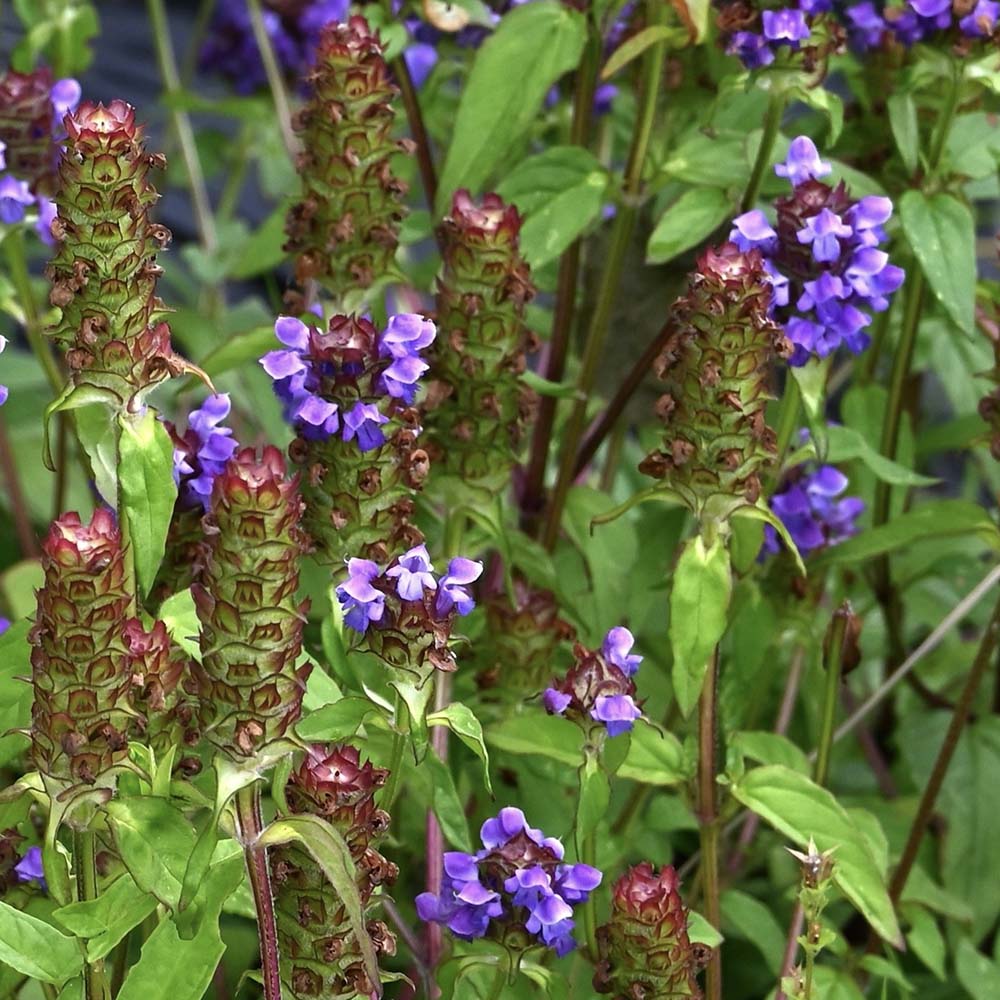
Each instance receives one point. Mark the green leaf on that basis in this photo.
(925, 939)
(155, 841)
(770, 748)
(905, 130)
(177, 612)
(332, 854)
(538, 734)
(942, 234)
(686, 223)
(634, 46)
(95, 428)
(15, 695)
(559, 390)
(263, 251)
(700, 931)
(339, 721)
(655, 757)
(799, 809)
(174, 968)
(560, 193)
(719, 160)
(979, 975)
(699, 600)
(827, 103)
(416, 698)
(36, 949)
(746, 916)
(592, 803)
(846, 444)
(811, 381)
(460, 720)
(446, 804)
(238, 350)
(934, 519)
(106, 920)
(148, 490)
(532, 48)
(761, 512)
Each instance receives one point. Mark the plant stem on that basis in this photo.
(399, 738)
(772, 125)
(621, 233)
(18, 505)
(415, 118)
(250, 827)
(499, 981)
(788, 419)
(182, 126)
(982, 662)
(85, 863)
(708, 818)
(49, 991)
(810, 965)
(532, 498)
(274, 79)
(588, 855)
(833, 662)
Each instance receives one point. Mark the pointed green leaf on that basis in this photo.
(688, 222)
(460, 720)
(36, 949)
(592, 803)
(634, 46)
(447, 805)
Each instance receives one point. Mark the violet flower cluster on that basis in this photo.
(813, 509)
(823, 257)
(517, 880)
(599, 686)
(299, 377)
(16, 193)
(411, 578)
(201, 453)
(230, 48)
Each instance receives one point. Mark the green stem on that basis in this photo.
(399, 739)
(621, 234)
(250, 827)
(708, 818)
(807, 991)
(499, 980)
(274, 78)
(49, 991)
(85, 863)
(788, 418)
(833, 662)
(588, 855)
(772, 125)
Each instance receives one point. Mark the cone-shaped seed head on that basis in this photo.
(644, 949)
(345, 229)
(477, 407)
(319, 951)
(717, 365)
(251, 625)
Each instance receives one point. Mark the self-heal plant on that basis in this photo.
(348, 393)
(823, 257)
(517, 889)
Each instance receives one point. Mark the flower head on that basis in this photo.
(201, 453)
(803, 162)
(361, 602)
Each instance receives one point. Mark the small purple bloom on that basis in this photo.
(824, 231)
(361, 602)
(405, 334)
(15, 197)
(420, 60)
(282, 364)
(362, 421)
(29, 868)
(555, 701)
(207, 448)
(930, 8)
(4, 624)
(751, 49)
(788, 25)
(616, 711)
(453, 591)
(414, 573)
(47, 212)
(65, 96)
(399, 380)
(752, 230)
(866, 26)
(982, 21)
(616, 649)
(803, 162)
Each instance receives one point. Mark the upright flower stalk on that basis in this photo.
(344, 230)
(320, 956)
(476, 406)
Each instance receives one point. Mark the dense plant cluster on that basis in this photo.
(574, 421)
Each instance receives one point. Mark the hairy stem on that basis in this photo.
(250, 827)
(621, 234)
(708, 818)
(274, 79)
(772, 125)
(415, 118)
(85, 863)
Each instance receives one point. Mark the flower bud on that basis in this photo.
(717, 366)
(345, 229)
(80, 661)
(319, 951)
(477, 407)
(251, 626)
(104, 272)
(644, 948)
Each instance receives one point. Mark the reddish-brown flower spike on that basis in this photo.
(477, 407)
(645, 953)
(81, 663)
(26, 122)
(104, 272)
(345, 229)
(717, 366)
(319, 952)
(251, 626)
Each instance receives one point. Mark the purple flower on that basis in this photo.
(4, 624)
(414, 574)
(43, 224)
(65, 96)
(518, 876)
(15, 197)
(803, 162)
(785, 25)
(824, 231)
(982, 21)
(930, 8)
(617, 712)
(420, 60)
(555, 701)
(205, 449)
(752, 230)
(865, 26)
(616, 649)
(404, 337)
(751, 49)
(361, 602)
(811, 511)
(29, 868)
(362, 421)
(453, 590)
